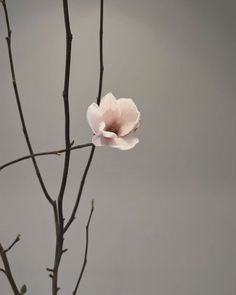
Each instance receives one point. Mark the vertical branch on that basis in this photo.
(8, 39)
(86, 250)
(7, 270)
(60, 226)
(101, 52)
(72, 217)
(66, 107)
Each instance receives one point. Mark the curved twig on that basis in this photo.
(86, 249)
(2, 270)
(56, 152)
(8, 39)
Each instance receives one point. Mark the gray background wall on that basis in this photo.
(165, 220)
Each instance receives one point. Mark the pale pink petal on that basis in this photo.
(94, 117)
(108, 134)
(123, 143)
(109, 109)
(100, 140)
(129, 116)
(129, 127)
(101, 127)
(108, 102)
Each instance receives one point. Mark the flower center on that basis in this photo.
(113, 127)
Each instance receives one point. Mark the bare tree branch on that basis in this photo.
(8, 39)
(101, 52)
(2, 270)
(7, 269)
(56, 152)
(86, 249)
(66, 107)
(60, 230)
(72, 217)
(17, 239)
(57, 205)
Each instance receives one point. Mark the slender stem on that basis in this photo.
(101, 52)
(56, 152)
(66, 107)
(56, 219)
(17, 239)
(72, 217)
(60, 225)
(7, 268)
(86, 250)
(8, 39)
(2, 270)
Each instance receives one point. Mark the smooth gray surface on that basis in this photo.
(165, 220)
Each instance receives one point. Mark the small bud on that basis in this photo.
(23, 289)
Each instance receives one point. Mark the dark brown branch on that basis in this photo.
(7, 269)
(66, 108)
(86, 250)
(17, 239)
(8, 39)
(56, 219)
(72, 217)
(56, 152)
(101, 52)
(2, 270)
(60, 230)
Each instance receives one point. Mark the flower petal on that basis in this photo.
(123, 143)
(108, 102)
(109, 109)
(100, 140)
(129, 116)
(108, 134)
(94, 118)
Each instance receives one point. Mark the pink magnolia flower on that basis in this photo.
(114, 122)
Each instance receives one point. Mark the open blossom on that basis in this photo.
(114, 122)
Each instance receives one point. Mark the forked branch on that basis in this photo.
(60, 231)
(7, 269)
(75, 208)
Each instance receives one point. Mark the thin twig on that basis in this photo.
(8, 39)
(86, 250)
(17, 239)
(2, 270)
(101, 52)
(72, 217)
(7, 269)
(56, 152)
